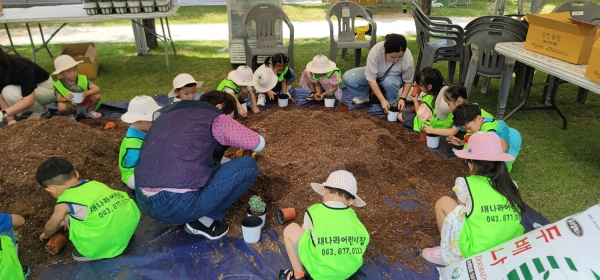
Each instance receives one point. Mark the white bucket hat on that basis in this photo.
(441, 107)
(484, 146)
(141, 108)
(64, 62)
(181, 80)
(242, 76)
(342, 180)
(320, 64)
(265, 79)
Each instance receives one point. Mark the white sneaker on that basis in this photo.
(37, 115)
(261, 100)
(357, 100)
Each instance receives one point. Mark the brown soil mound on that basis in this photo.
(392, 167)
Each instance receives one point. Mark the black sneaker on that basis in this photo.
(216, 230)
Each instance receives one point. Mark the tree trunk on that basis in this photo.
(150, 38)
(426, 6)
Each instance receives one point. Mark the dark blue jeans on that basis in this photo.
(227, 184)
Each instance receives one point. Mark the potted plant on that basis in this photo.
(77, 92)
(148, 5)
(329, 100)
(105, 6)
(134, 6)
(163, 5)
(91, 7)
(120, 6)
(257, 207)
(344, 107)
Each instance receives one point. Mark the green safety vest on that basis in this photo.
(10, 267)
(82, 81)
(492, 221)
(230, 84)
(280, 79)
(111, 220)
(328, 74)
(341, 241)
(128, 143)
(435, 121)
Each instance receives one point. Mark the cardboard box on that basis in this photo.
(1, 12)
(85, 52)
(559, 36)
(593, 68)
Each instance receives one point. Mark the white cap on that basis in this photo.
(343, 180)
(141, 108)
(64, 62)
(181, 80)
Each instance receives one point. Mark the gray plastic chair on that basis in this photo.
(485, 61)
(268, 42)
(447, 47)
(581, 10)
(346, 13)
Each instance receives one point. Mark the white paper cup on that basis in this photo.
(433, 141)
(77, 97)
(251, 229)
(392, 116)
(329, 102)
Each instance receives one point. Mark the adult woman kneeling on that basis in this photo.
(179, 175)
(25, 87)
(390, 55)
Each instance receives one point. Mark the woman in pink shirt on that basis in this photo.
(179, 175)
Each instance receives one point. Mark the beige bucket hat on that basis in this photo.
(183, 79)
(265, 79)
(141, 108)
(242, 76)
(343, 180)
(64, 62)
(320, 64)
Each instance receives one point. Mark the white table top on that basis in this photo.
(566, 71)
(71, 13)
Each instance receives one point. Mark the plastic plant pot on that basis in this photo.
(56, 243)
(110, 125)
(423, 137)
(344, 107)
(283, 100)
(285, 214)
(433, 141)
(251, 229)
(393, 114)
(244, 106)
(77, 97)
(415, 91)
(329, 101)
(262, 216)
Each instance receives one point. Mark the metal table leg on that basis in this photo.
(12, 45)
(507, 70)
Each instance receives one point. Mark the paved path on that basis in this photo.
(192, 32)
(224, 2)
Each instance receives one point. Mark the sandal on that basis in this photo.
(311, 96)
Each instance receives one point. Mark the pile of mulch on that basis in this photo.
(394, 171)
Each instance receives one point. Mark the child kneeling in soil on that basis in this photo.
(70, 82)
(100, 220)
(470, 119)
(278, 64)
(140, 115)
(10, 266)
(332, 241)
(239, 83)
(430, 81)
(184, 88)
(466, 229)
(320, 77)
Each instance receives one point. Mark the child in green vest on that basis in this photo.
(66, 67)
(320, 77)
(140, 113)
(239, 83)
(488, 208)
(10, 266)
(332, 241)
(184, 88)
(430, 81)
(448, 99)
(285, 77)
(100, 220)
(470, 119)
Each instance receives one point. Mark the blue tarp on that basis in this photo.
(157, 252)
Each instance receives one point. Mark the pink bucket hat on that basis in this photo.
(343, 180)
(484, 146)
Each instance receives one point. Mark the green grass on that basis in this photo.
(557, 170)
